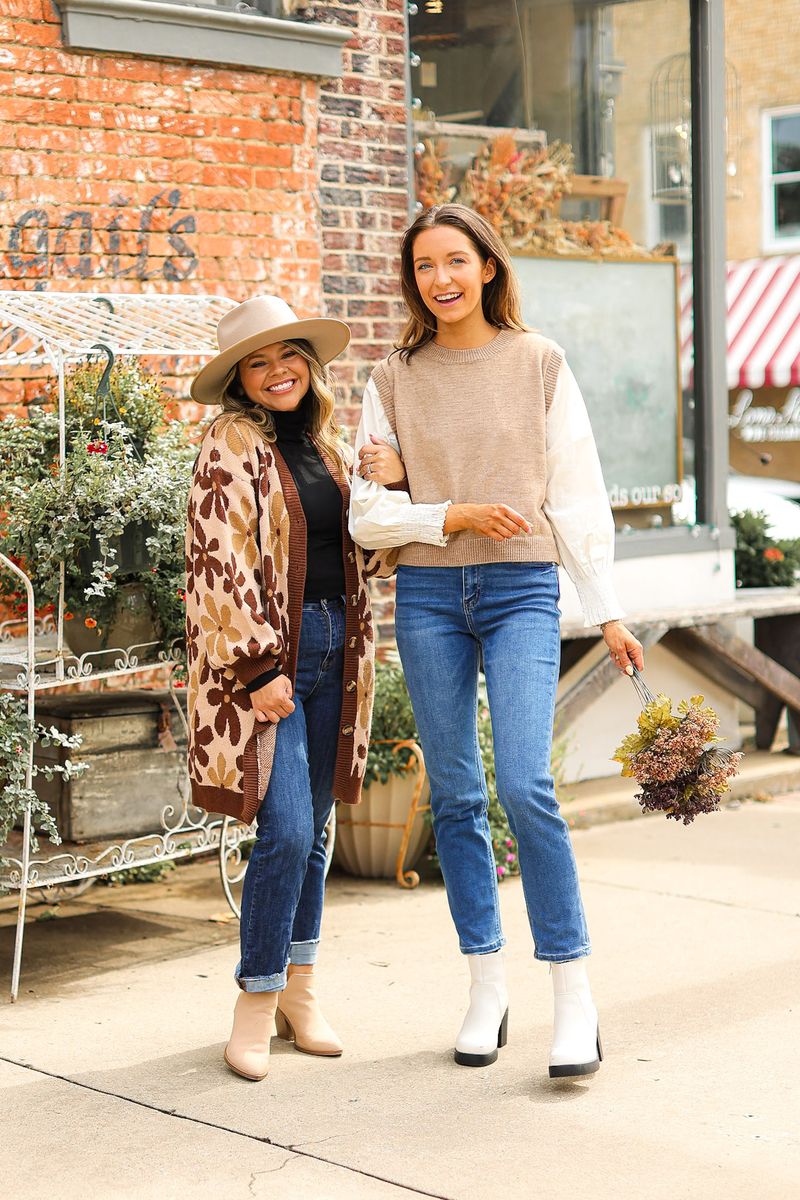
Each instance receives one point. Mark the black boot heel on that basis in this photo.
(502, 1033)
(484, 1060)
(599, 1045)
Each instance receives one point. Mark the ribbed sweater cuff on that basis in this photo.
(248, 669)
(598, 599)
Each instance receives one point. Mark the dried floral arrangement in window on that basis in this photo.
(518, 191)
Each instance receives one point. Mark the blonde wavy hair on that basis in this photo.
(323, 426)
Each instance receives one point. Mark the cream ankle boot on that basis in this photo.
(577, 1049)
(299, 1019)
(247, 1052)
(485, 1026)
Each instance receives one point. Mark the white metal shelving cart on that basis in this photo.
(53, 330)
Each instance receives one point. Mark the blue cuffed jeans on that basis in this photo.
(285, 880)
(506, 615)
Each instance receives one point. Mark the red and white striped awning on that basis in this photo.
(763, 324)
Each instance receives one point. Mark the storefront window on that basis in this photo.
(782, 183)
(545, 115)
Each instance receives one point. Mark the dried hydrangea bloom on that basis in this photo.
(673, 758)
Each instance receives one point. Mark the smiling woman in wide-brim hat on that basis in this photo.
(257, 323)
(280, 649)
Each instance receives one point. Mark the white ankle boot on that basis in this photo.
(576, 1035)
(486, 1023)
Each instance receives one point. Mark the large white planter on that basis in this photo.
(370, 835)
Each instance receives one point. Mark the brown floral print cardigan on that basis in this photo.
(245, 575)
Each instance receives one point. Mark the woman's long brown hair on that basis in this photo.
(500, 298)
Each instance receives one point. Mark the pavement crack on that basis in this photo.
(174, 1115)
(634, 887)
(269, 1171)
(314, 1141)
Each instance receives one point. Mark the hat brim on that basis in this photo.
(328, 336)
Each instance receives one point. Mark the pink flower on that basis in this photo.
(510, 858)
(509, 843)
(501, 872)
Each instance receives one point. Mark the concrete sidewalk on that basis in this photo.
(111, 1063)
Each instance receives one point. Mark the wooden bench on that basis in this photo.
(765, 674)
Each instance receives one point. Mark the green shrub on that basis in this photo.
(763, 561)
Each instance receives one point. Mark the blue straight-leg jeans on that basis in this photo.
(285, 880)
(505, 615)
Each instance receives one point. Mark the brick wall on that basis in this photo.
(364, 198)
(763, 43)
(364, 183)
(128, 173)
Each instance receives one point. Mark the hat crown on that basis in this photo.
(256, 316)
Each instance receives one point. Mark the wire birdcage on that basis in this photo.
(671, 129)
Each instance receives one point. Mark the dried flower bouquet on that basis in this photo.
(674, 757)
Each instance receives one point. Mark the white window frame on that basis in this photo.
(772, 241)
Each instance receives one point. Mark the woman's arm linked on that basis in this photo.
(382, 513)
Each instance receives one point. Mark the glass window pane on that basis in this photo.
(567, 124)
(786, 143)
(787, 210)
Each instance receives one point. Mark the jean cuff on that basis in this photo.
(260, 983)
(303, 954)
(583, 952)
(488, 948)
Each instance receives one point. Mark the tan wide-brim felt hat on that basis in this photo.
(261, 322)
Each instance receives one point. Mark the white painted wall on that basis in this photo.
(663, 581)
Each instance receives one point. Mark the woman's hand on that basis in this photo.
(273, 700)
(623, 647)
(496, 521)
(379, 463)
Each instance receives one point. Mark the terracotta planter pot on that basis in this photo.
(370, 835)
(133, 625)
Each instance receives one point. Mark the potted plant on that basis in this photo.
(381, 837)
(115, 513)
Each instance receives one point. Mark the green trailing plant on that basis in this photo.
(761, 560)
(18, 734)
(127, 471)
(393, 721)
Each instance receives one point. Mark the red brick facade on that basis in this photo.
(133, 173)
(364, 181)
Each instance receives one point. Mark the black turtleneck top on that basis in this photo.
(322, 505)
(322, 508)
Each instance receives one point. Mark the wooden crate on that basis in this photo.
(134, 744)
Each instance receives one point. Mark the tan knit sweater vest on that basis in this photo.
(471, 428)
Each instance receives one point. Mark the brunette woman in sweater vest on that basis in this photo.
(280, 650)
(477, 462)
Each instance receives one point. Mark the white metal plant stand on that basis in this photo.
(55, 329)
